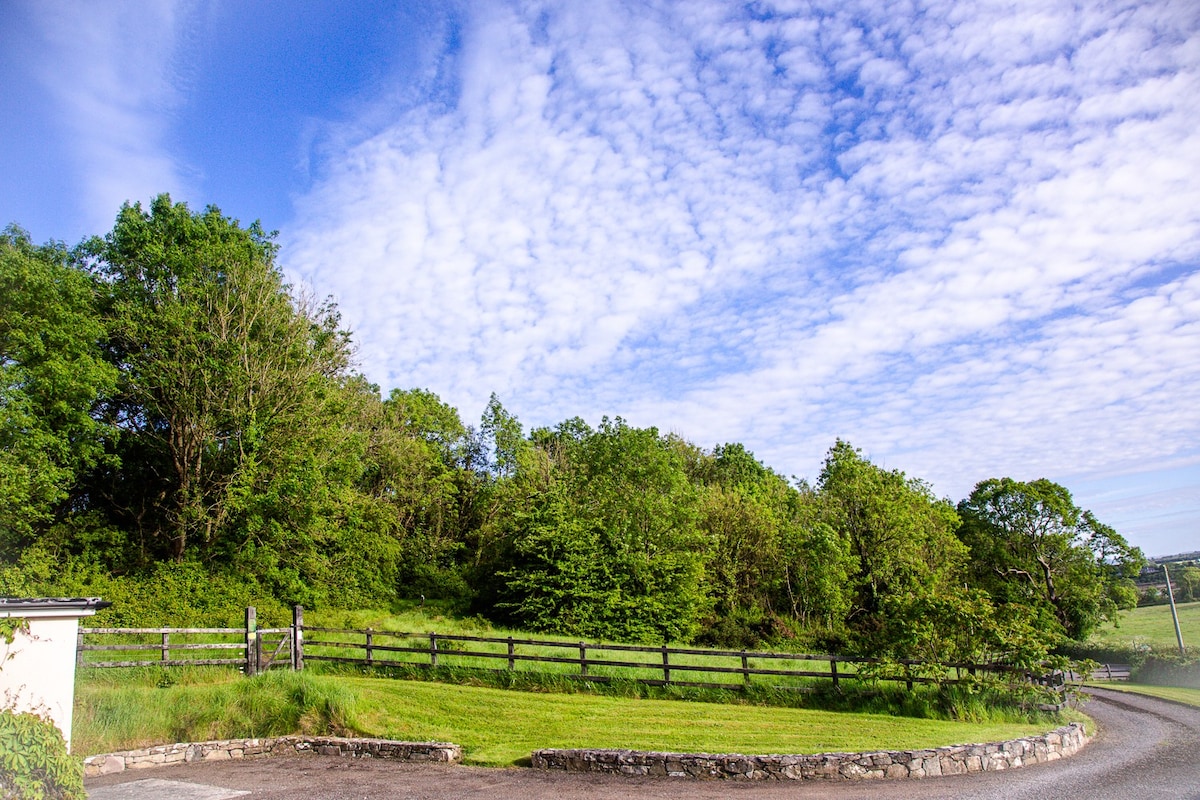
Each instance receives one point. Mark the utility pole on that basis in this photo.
(1174, 612)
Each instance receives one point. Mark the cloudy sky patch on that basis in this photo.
(965, 238)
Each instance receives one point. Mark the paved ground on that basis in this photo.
(1147, 748)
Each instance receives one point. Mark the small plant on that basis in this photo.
(34, 763)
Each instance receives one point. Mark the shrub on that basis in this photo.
(34, 763)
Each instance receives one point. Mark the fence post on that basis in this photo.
(745, 669)
(370, 647)
(432, 649)
(251, 641)
(908, 676)
(511, 660)
(166, 646)
(666, 665)
(583, 659)
(833, 671)
(79, 647)
(298, 638)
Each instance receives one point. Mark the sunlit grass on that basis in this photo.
(498, 727)
(1189, 697)
(495, 727)
(1152, 626)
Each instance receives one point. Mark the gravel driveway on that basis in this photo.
(1147, 748)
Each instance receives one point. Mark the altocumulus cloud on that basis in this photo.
(963, 236)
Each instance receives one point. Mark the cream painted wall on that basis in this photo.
(39, 674)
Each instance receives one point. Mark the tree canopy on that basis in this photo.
(174, 414)
(1036, 552)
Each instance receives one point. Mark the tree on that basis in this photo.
(605, 542)
(907, 583)
(223, 371)
(1039, 554)
(416, 467)
(901, 536)
(52, 375)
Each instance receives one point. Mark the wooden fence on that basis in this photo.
(255, 649)
(251, 648)
(601, 662)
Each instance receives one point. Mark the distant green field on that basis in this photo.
(1151, 625)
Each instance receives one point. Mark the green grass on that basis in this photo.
(1189, 697)
(1151, 626)
(495, 727)
(128, 709)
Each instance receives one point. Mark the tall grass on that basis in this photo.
(160, 706)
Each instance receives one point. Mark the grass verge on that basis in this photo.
(1189, 697)
(496, 727)
(155, 706)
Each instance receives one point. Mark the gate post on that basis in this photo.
(298, 638)
(251, 641)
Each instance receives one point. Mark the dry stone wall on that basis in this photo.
(226, 749)
(955, 760)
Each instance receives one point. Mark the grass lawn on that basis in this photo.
(501, 728)
(1190, 697)
(1152, 625)
(495, 727)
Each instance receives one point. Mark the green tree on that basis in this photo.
(900, 534)
(419, 448)
(52, 376)
(226, 377)
(1037, 553)
(605, 543)
(906, 559)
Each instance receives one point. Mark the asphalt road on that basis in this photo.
(1146, 748)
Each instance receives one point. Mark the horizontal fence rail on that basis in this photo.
(255, 649)
(596, 661)
(250, 648)
(173, 647)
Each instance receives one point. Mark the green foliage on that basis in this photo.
(1169, 669)
(1043, 558)
(907, 564)
(223, 375)
(182, 433)
(186, 594)
(34, 763)
(51, 376)
(607, 546)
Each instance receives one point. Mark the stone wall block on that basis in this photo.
(876, 765)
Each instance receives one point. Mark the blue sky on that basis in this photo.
(964, 237)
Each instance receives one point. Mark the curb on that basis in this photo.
(232, 749)
(897, 764)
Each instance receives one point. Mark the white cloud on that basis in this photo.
(967, 240)
(108, 68)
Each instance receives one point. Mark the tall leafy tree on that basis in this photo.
(52, 375)
(1036, 552)
(906, 556)
(223, 373)
(606, 543)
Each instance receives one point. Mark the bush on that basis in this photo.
(34, 763)
(1169, 670)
